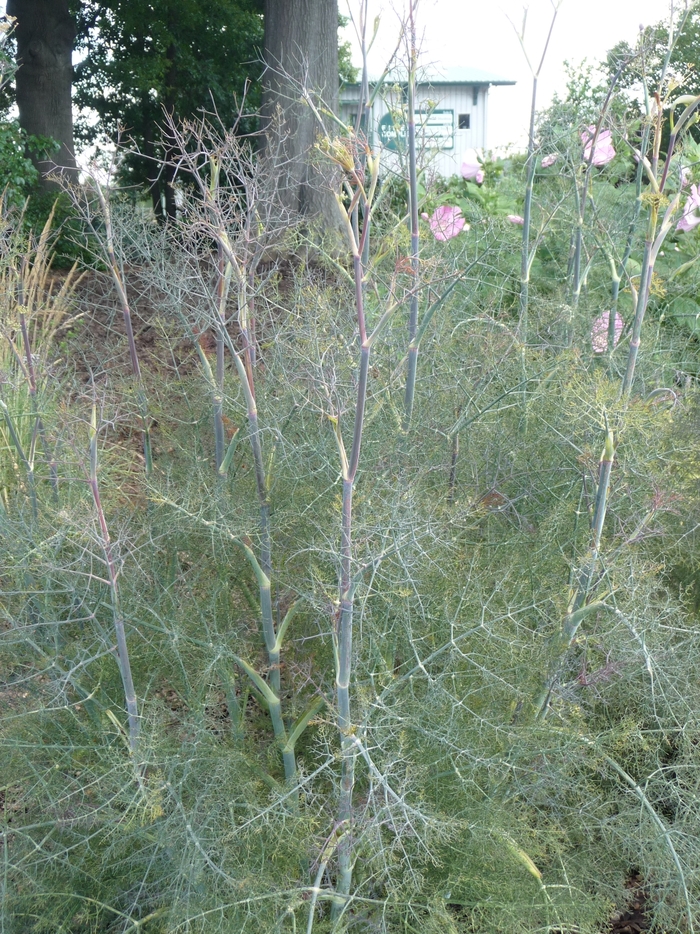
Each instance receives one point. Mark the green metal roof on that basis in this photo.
(434, 76)
(461, 75)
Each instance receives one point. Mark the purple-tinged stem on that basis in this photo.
(38, 423)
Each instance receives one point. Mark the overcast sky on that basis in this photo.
(478, 34)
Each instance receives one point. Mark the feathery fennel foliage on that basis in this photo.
(474, 807)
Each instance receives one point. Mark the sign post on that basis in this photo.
(435, 130)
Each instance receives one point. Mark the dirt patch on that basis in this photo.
(635, 917)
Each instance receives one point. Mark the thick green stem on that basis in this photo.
(264, 579)
(119, 629)
(527, 215)
(653, 243)
(274, 706)
(221, 296)
(343, 672)
(618, 276)
(578, 609)
(601, 505)
(344, 643)
(642, 300)
(344, 633)
(452, 485)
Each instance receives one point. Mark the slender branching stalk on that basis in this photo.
(619, 271)
(223, 279)
(236, 264)
(116, 271)
(122, 650)
(652, 812)
(325, 857)
(526, 256)
(413, 214)
(582, 195)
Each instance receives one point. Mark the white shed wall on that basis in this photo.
(461, 99)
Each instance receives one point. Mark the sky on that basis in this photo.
(479, 35)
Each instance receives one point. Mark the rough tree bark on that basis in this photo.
(301, 50)
(45, 33)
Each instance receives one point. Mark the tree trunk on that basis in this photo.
(301, 52)
(45, 33)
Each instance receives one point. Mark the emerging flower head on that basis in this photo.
(515, 219)
(691, 217)
(599, 331)
(471, 167)
(447, 222)
(549, 160)
(604, 150)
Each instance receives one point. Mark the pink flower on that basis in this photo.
(603, 152)
(471, 167)
(690, 218)
(447, 222)
(599, 331)
(515, 219)
(549, 160)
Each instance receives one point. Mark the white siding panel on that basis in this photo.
(458, 98)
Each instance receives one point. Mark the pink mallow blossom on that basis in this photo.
(549, 160)
(515, 219)
(604, 150)
(447, 222)
(471, 168)
(691, 217)
(599, 331)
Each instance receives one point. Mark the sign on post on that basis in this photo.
(435, 129)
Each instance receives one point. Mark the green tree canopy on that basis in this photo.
(143, 59)
(645, 62)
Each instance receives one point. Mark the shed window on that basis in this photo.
(475, 96)
(464, 121)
